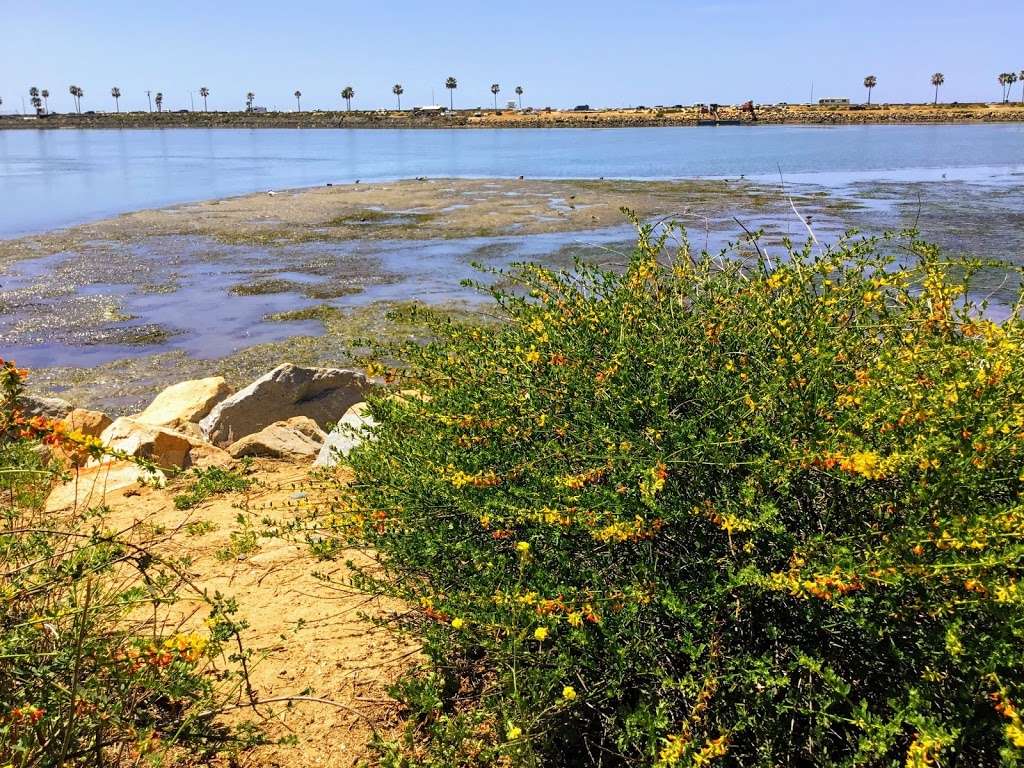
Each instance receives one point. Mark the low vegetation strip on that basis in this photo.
(741, 511)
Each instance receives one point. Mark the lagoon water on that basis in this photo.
(57, 178)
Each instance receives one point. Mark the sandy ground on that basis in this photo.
(310, 638)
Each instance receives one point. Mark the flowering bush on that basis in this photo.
(91, 670)
(728, 511)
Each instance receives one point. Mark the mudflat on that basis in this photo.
(108, 313)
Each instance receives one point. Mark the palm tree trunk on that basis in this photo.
(869, 97)
(936, 102)
(451, 100)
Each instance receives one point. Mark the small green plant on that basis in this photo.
(731, 510)
(212, 481)
(200, 527)
(243, 541)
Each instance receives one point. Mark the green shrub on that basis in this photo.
(93, 668)
(741, 511)
(212, 481)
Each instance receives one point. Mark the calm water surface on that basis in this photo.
(56, 178)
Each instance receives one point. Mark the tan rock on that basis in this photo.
(322, 394)
(204, 455)
(89, 486)
(296, 438)
(185, 403)
(89, 423)
(163, 446)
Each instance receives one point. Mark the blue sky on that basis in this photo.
(563, 52)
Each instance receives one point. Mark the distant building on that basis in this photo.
(256, 109)
(833, 102)
(432, 109)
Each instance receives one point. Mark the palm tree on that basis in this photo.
(870, 82)
(451, 84)
(398, 90)
(519, 93)
(348, 93)
(250, 97)
(46, 99)
(1011, 78)
(204, 92)
(1021, 78)
(298, 100)
(116, 93)
(1004, 81)
(77, 93)
(937, 79)
(495, 89)
(159, 101)
(37, 103)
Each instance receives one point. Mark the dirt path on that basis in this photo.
(310, 638)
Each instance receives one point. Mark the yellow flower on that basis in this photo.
(513, 732)
(540, 633)
(458, 623)
(523, 548)
(569, 693)
(575, 619)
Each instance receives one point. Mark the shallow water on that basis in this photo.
(55, 178)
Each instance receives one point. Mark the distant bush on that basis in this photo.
(92, 669)
(741, 511)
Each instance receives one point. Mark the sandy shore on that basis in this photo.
(775, 114)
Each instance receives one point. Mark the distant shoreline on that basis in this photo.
(639, 117)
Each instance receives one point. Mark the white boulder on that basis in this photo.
(321, 394)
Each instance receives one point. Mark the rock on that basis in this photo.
(204, 455)
(298, 437)
(163, 446)
(89, 486)
(185, 403)
(321, 394)
(50, 407)
(355, 426)
(89, 423)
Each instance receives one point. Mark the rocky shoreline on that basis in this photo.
(285, 415)
(637, 117)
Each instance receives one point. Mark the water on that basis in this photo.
(57, 178)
